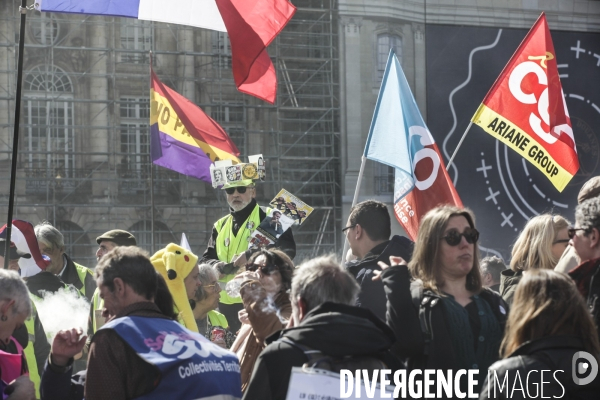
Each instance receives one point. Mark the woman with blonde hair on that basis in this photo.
(548, 328)
(444, 319)
(539, 246)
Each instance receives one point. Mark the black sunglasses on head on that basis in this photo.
(265, 269)
(454, 237)
(240, 190)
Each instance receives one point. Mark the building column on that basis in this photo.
(350, 57)
(99, 116)
(420, 69)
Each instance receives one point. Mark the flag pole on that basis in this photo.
(151, 178)
(15, 149)
(355, 199)
(458, 147)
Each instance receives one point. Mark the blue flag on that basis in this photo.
(398, 137)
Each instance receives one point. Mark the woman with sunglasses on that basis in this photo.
(539, 246)
(444, 319)
(267, 306)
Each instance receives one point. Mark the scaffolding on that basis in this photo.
(84, 160)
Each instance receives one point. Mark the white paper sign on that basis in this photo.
(318, 384)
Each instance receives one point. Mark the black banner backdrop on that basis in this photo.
(503, 189)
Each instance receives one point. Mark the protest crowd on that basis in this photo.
(248, 320)
(158, 326)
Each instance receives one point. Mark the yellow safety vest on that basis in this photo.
(81, 273)
(29, 351)
(217, 319)
(97, 304)
(229, 245)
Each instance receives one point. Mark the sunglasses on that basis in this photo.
(348, 227)
(453, 237)
(240, 189)
(572, 231)
(265, 269)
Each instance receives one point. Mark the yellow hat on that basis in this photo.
(243, 182)
(175, 263)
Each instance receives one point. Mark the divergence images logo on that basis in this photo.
(580, 367)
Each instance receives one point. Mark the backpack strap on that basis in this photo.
(424, 304)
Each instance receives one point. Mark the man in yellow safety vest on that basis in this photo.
(227, 249)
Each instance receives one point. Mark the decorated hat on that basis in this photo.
(119, 237)
(244, 182)
(225, 174)
(175, 263)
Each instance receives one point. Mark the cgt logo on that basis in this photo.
(584, 363)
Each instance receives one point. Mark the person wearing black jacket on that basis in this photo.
(549, 329)
(585, 237)
(444, 320)
(368, 231)
(325, 321)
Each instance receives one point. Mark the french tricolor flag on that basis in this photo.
(251, 25)
(23, 237)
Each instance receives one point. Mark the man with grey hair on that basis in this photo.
(585, 238)
(326, 324)
(570, 259)
(52, 244)
(491, 267)
(211, 323)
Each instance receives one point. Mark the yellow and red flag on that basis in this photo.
(525, 108)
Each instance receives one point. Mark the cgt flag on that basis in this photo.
(183, 137)
(250, 24)
(526, 110)
(399, 138)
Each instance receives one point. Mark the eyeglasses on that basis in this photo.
(348, 227)
(215, 287)
(240, 189)
(265, 269)
(453, 237)
(572, 231)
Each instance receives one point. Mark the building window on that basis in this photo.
(136, 40)
(386, 42)
(232, 119)
(384, 179)
(221, 50)
(142, 230)
(44, 28)
(50, 141)
(134, 130)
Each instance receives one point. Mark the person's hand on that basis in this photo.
(394, 261)
(217, 267)
(66, 345)
(21, 389)
(220, 343)
(240, 260)
(243, 316)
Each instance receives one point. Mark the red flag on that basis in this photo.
(525, 108)
(252, 25)
(183, 137)
(427, 194)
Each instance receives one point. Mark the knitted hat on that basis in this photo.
(175, 263)
(589, 190)
(119, 237)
